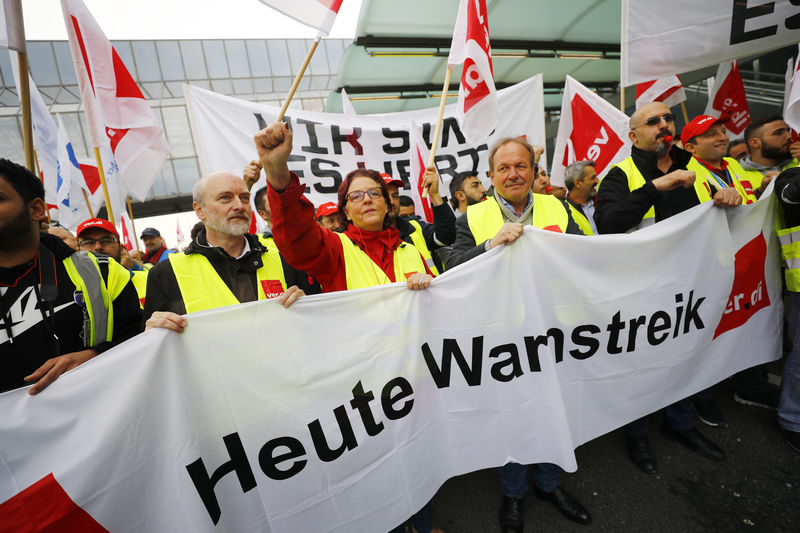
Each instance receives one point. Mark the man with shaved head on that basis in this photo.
(649, 186)
(224, 265)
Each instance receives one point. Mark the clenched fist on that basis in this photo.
(274, 146)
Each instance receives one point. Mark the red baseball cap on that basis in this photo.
(392, 181)
(96, 223)
(698, 126)
(327, 209)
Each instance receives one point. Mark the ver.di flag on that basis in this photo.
(477, 95)
(589, 128)
(419, 159)
(319, 14)
(116, 110)
(727, 99)
(668, 90)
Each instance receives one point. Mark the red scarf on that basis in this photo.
(148, 258)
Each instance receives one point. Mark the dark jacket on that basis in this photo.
(32, 324)
(620, 209)
(163, 293)
(787, 190)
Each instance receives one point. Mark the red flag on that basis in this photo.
(116, 110)
(727, 99)
(589, 128)
(419, 161)
(477, 95)
(668, 90)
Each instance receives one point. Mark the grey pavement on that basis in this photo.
(756, 488)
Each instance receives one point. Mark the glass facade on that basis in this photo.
(255, 70)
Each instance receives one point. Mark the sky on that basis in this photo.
(182, 19)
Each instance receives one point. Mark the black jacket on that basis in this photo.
(787, 189)
(163, 293)
(620, 209)
(32, 325)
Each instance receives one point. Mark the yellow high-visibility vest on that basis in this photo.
(418, 239)
(741, 180)
(581, 220)
(361, 271)
(485, 218)
(139, 280)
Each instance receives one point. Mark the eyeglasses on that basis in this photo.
(655, 121)
(357, 196)
(105, 241)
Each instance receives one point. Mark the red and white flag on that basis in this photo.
(727, 99)
(477, 95)
(791, 101)
(419, 160)
(589, 128)
(668, 90)
(318, 14)
(179, 234)
(117, 112)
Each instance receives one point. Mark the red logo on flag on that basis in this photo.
(749, 292)
(731, 102)
(593, 138)
(45, 506)
(272, 288)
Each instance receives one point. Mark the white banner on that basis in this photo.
(355, 427)
(329, 145)
(663, 38)
(12, 28)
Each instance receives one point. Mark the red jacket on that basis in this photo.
(308, 246)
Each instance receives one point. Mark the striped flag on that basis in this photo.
(668, 90)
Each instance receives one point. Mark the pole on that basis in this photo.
(438, 130)
(685, 114)
(133, 225)
(297, 79)
(88, 205)
(25, 100)
(622, 98)
(101, 170)
(41, 177)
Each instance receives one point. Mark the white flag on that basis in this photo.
(72, 209)
(347, 105)
(117, 112)
(668, 90)
(589, 128)
(12, 29)
(791, 102)
(318, 14)
(477, 95)
(179, 233)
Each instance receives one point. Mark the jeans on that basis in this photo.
(789, 406)
(514, 483)
(677, 416)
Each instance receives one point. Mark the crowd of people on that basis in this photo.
(65, 299)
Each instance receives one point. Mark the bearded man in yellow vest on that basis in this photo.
(652, 185)
(499, 220)
(772, 150)
(224, 265)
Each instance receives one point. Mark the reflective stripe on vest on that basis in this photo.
(83, 270)
(581, 220)
(361, 271)
(202, 288)
(485, 218)
(740, 179)
(139, 280)
(418, 239)
(790, 251)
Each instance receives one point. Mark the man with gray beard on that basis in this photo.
(224, 265)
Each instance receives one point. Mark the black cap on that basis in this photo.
(150, 232)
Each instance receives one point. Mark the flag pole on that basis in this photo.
(133, 225)
(622, 98)
(438, 130)
(88, 205)
(685, 114)
(297, 78)
(102, 172)
(25, 100)
(41, 177)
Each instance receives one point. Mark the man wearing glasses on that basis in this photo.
(647, 187)
(99, 236)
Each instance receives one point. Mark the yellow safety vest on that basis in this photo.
(740, 178)
(485, 218)
(581, 220)
(202, 288)
(361, 271)
(98, 294)
(636, 181)
(139, 280)
(790, 251)
(418, 239)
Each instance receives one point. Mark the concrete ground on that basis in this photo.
(756, 489)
